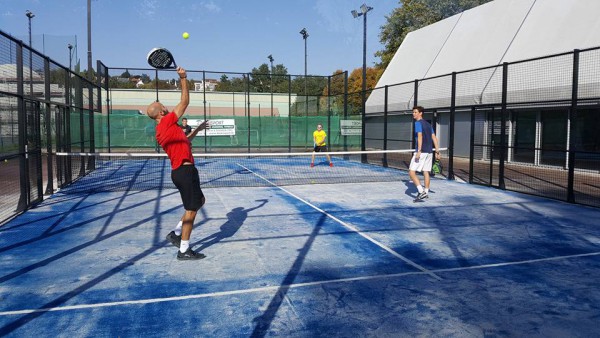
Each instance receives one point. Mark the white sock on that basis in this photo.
(184, 246)
(178, 228)
(426, 190)
(420, 189)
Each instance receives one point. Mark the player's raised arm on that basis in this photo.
(185, 93)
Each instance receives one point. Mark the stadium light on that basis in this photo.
(364, 9)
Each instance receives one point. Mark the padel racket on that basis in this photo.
(161, 58)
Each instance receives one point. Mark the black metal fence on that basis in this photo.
(529, 126)
(44, 108)
(272, 112)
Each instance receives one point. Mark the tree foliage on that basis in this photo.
(413, 15)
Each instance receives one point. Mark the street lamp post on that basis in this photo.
(271, 59)
(305, 37)
(364, 9)
(30, 16)
(89, 37)
(70, 46)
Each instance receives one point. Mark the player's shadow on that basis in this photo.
(235, 219)
(411, 190)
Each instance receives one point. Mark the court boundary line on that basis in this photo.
(349, 226)
(289, 286)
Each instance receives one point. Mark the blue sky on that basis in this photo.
(225, 35)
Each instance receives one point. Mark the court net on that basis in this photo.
(100, 172)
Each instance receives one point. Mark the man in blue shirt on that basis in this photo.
(425, 141)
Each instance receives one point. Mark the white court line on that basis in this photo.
(349, 226)
(279, 287)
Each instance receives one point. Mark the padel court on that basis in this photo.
(299, 259)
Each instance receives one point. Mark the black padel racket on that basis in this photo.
(161, 58)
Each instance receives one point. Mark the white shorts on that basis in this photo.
(424, 163)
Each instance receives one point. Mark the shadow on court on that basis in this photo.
(235, 219)
(304, 261)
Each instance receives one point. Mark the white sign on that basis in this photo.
(351, 127)
(224, 127)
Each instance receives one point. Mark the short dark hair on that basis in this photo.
(185, 118)
(419, 108)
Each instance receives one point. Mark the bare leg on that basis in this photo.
(426, 176)
(312, 158)
(328, 158)
(414, 178)
(188, 223)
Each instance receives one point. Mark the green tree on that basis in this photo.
(260, 79)
(413, 15)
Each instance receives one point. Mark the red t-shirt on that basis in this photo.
(172, 139)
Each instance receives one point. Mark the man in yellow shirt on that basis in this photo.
(319, 137)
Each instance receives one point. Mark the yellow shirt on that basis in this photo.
(319, 137)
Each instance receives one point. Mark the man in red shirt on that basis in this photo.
(184, 174)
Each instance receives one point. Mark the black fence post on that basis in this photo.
(22, 124)
(328, 111)
(248, 95)
(573, 128)
(451, 129)
(289, 113)
(503, 111)
(48, 127)
(345, 107)
(385, 124)
(472, 145)
(415, 103)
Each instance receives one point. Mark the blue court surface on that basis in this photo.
(311, 260)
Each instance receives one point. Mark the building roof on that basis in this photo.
(491, 34)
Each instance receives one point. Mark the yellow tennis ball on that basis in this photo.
(186, 35)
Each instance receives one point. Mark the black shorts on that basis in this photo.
(188, 183)
(319, 149)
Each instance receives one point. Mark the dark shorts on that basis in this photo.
(188, 183)
(319, 149)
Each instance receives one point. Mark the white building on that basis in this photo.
(489, 35)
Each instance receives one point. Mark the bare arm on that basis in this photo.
(200, 127)
(185, 93)
(419, 145)
(437, 146)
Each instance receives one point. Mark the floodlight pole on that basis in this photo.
(305, 37)
(89, 36)
(271, 59)
(364, 9)
(70, 46)
(30, 16)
